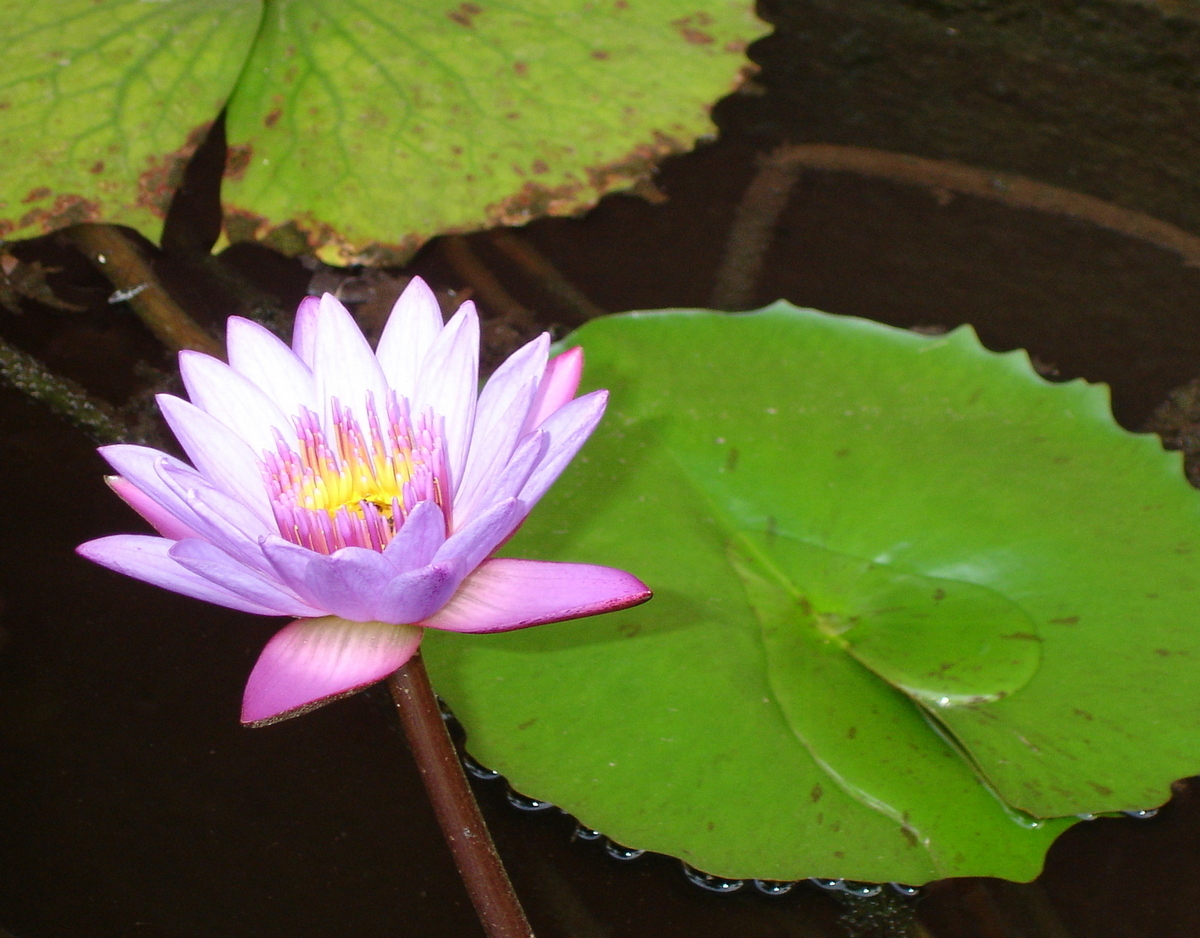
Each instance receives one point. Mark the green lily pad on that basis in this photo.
(363, 129)
(942, 642)
(909, 597)
(103, 105)
(356, 129)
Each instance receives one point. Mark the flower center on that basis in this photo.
(356, 486)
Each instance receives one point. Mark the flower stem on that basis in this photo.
(454, 804)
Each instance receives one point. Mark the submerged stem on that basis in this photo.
(113, 253)
(454, 804)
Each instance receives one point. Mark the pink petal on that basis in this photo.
(557, 387)
(261, 356)
(304, 331)
(505, 594)
(146, 558)
(569, 427)
(315, 661)
(139, 466)
(448, 383)
(160, 519)
(411, 329)
(234, 400)
(344, 367)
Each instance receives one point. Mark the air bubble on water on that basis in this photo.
(478, 770)
(907, 891)
(865, 890)
(586, 833)
(710, 882)
(826, 883)
(1086, 817)
(774, 887)
(618, 852)
(525, 803)
(1143, 814)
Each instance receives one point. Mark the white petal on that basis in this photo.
(448, 384)
(146, 558)
(220, 455)
(304, 331)
(263, 358)
(344, 367)
(410, 332)
(569, 427)
(234, 400)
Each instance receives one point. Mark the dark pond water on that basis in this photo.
(133, 804)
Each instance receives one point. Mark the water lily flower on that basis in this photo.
(360, 492)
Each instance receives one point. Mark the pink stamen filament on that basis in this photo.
(357, 488)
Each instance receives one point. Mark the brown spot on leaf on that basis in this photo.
(816, 794)
(521, 68)
(852, 732)
(540, 167)
(910, 835)
(528, 723)
(36, 195)
(68, 209)
(97, 167)
(599, 54)
(306, 234)
(711, 826)
(1066, 620)
(464, 14)
(689, 28)
(1082, 713)
(158, 182)
(1100, 789)
(273, 117)
(237, 159)
(630, 629)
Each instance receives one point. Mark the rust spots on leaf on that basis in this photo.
(163, 174)
(464, 14)
(237, 159)
(97, 168)
(36, 195)
(308, 235)
(67, 209)
(691, 28)
(535, 199)
(272, 117)
(521, 68)
(599, 54)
